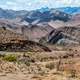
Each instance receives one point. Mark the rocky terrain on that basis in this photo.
(36, 24)
(63, 36)
(31, 24)
(42, 44)
(61, 64)
(11, 41)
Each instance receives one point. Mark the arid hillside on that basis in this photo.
(66, 35)
(29, 32)
(10, 41)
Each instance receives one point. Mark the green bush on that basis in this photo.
(10, 58)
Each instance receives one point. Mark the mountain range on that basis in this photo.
(36, 24)
(42, 14)
(70, 10)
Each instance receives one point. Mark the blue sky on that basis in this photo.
(34, 4)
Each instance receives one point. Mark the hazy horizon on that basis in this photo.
(37, 4)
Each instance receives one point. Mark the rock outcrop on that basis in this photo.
(64, 35)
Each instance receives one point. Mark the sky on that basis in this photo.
(36, 4)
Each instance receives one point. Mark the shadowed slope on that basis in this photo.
(10, 41)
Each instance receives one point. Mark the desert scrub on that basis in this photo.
(73, 73)
(2, 55)
(27, 63)
(50, 65)
(10, 58)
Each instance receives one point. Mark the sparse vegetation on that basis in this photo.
(10, 58)
(45, 65)
(50, 65)
(27, 63)
(73, 73)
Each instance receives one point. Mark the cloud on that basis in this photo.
(69, 2)
(34, 4)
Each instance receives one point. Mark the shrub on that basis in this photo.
(27, 63)
(73, 73)
(50, 65)
(10, 58)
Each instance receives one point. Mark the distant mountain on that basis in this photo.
(41, 15)
(46, 16)
(70, 10)
(11, 14)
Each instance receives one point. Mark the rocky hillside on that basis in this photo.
(34, 25)
(10, 41)
(6, 36)
(36, 32)
(30, 32)
(64, 35)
